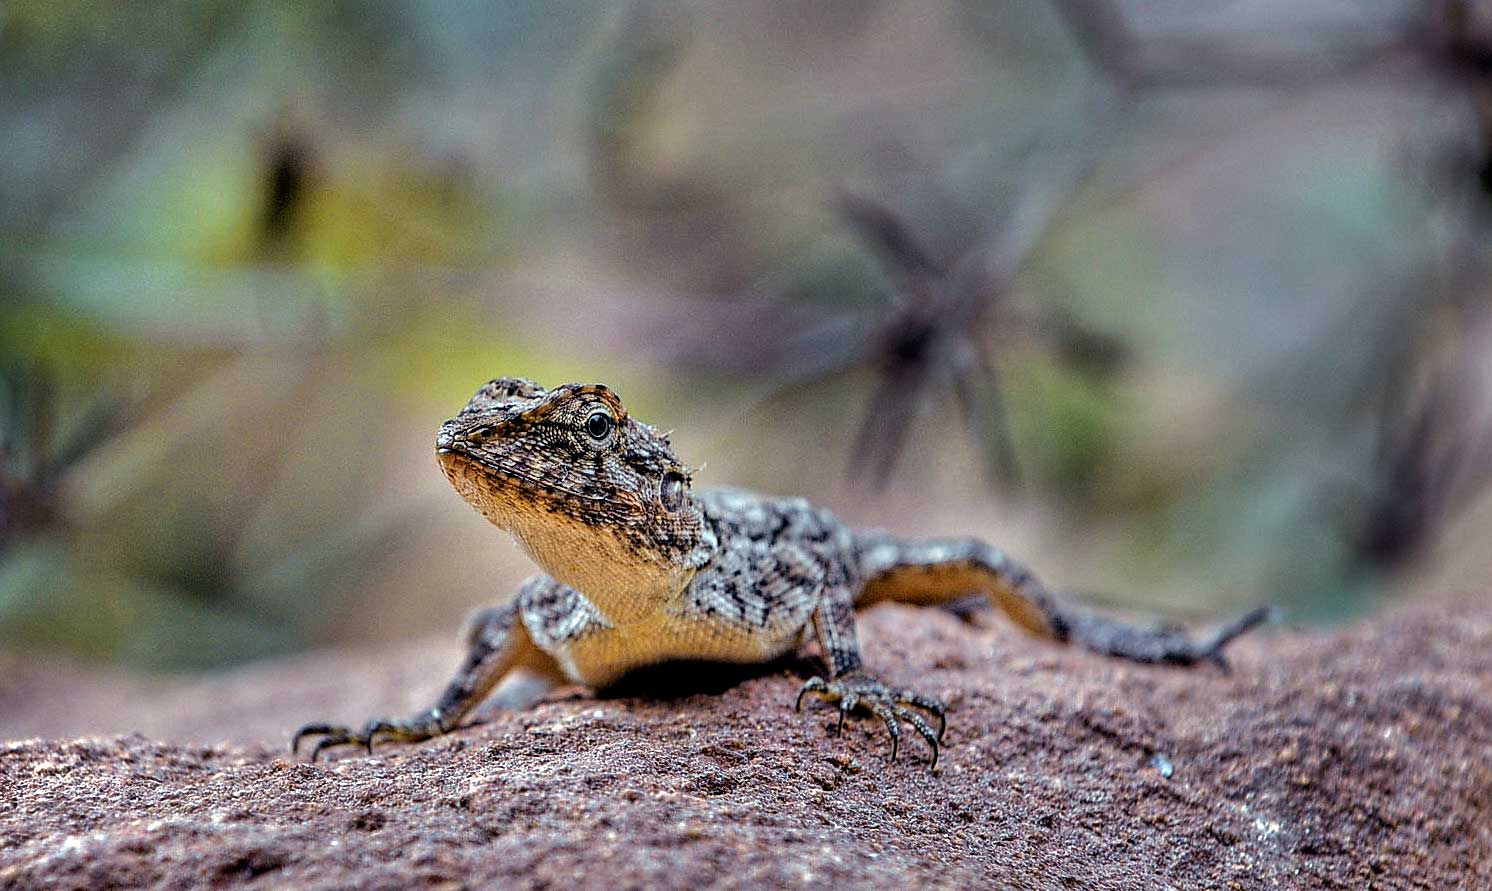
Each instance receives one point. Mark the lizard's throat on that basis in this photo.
(617, 574)
(615, 578)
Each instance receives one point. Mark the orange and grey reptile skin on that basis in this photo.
(641, 570)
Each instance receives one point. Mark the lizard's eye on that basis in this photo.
(599, 426)
(479, 435)
(671, 491)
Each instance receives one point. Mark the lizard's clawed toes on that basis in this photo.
(891, 705)
(331, 735)
(416, 729)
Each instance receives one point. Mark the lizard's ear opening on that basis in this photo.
(671, 491)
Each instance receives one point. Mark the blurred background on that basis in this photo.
(1185, 302)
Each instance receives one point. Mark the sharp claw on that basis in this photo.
(932, 705)
(311, 730)
(812, 685)
(888, 717)
(847, 704)
(326, 742)
(373, 728)
(922, 728)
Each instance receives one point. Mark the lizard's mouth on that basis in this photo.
(493, 489)
(492, 493)
(455, 460)
(453, 450)
(457, 448)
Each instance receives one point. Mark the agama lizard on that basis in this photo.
(640, 570)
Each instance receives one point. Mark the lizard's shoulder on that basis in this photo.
(774, 557)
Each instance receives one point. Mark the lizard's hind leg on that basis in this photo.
(942, 571)
(497, 643)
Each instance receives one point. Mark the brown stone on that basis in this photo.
(1325, 760)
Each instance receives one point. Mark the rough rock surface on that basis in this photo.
(1349, 759)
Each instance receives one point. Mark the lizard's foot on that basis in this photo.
(417, 729)
(891, 705)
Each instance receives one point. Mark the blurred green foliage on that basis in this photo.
(252, 253)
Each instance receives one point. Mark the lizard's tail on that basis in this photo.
(943, 571)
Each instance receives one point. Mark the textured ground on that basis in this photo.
(1361, 758)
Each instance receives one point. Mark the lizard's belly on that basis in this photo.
(605, 654)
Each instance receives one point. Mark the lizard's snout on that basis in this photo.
(454, 436)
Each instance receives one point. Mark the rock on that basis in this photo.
(1334, 760)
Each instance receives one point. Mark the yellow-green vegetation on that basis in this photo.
(252, 253)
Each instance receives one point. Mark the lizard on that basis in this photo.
(640, 569)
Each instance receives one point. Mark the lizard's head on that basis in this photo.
(596, 498)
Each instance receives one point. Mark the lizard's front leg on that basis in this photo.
(848, 685)
(497, 643)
